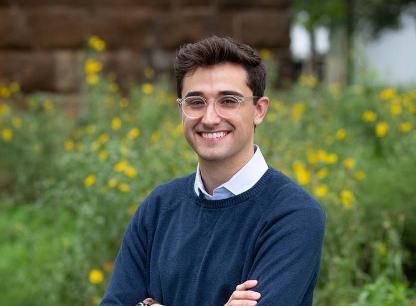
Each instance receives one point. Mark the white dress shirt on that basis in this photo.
(240, 182)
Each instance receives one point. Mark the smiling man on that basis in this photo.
(235, 232)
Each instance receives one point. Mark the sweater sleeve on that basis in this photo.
(128, 281)
(287, 258)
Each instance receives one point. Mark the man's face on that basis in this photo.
(215, 138)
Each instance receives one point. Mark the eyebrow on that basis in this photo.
(221, 93)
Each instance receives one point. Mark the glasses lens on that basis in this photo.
(228, 105)
(194, 106)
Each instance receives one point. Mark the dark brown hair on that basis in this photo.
(215, 50)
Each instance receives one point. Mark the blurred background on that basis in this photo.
(89, 126)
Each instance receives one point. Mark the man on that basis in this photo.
(236, 224)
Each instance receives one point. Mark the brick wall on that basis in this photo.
(42, 41)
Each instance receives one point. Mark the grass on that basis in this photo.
(31, 245)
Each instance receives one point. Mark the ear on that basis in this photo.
(261, 108)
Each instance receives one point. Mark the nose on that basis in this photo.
(211, 116)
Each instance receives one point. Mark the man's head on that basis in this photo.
(215, 50)
(212, 75)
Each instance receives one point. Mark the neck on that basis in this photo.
(215, 173)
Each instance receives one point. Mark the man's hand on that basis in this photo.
(244, 297)
(240, 297)
(152, 302)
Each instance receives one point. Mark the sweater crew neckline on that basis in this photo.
(237, 199)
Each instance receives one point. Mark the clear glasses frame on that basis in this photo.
(226, 106)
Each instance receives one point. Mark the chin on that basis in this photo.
(211, 156)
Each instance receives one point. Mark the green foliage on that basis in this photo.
(377, 14)
(33, 247)
(383, 293)
(353, 148)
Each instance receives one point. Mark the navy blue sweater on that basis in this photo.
(181, 249)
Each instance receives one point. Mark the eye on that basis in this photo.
(229, 101)
(195, 102)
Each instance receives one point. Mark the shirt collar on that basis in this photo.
(240, 182)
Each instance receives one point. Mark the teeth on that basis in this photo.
(214, 135)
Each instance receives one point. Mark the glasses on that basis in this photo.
(226, 106)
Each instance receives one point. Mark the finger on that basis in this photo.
(245, 295)
(152, 302)
(247, 284)
(242, 303)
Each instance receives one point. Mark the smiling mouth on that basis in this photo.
(213, 135)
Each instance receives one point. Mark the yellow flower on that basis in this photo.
(349, 163)
(405, 127)
(48, 105)
(312, 157)
(92, 79)
(103, 138)
(130, 171)
(297, 111)
(112, 183)
(341, 134)
(303, 177)
(323, 173)
(7, 134)
(69, 145)
(116, 123)
(4, 109)
(347, 198)
(4, 92)
(17, 122)
(331, 158)
(123, 187)
(322, 155)
(92, 66)
(369, 116)
(321, 191)
(90, 180)
(387, 94)
(79, 147)
(96, 276)
(302, 174)
(381, 129)
(395, 108)
(149, 73)
(133, 133)
(359, 175)
(103, 155)
(382, 249)
(120, 166)
(147, 88)
(155, 137)
(96, 43)
(265, 54)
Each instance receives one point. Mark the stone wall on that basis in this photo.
(42, 42)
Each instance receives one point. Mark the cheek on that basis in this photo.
(188, 126)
